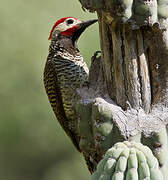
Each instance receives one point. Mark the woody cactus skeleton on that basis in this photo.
(128, 94)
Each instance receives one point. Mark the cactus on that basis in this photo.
(127, 99)
(136, 12)
(128, 159)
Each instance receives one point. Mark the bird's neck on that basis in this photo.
(64, 45)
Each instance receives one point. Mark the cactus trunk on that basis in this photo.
(127, 98)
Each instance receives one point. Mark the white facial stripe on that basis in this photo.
(64, 26)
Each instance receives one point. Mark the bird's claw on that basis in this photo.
(95, 55)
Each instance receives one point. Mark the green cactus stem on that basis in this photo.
(128, 159)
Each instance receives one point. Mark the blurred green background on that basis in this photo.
(32, 144)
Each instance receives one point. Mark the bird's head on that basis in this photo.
(70, 27)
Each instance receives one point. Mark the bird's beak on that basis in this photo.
(85, 24)
(81, 28)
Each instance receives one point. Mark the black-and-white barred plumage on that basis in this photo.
(65, 71)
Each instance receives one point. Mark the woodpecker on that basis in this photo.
(65, 71)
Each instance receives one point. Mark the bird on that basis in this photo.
(65, 71)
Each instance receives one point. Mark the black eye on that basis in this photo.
(70, 21)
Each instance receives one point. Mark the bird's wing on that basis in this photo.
(54, 96)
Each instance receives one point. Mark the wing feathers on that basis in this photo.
(54, 96)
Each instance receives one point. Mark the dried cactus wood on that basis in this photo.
(127, 98)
